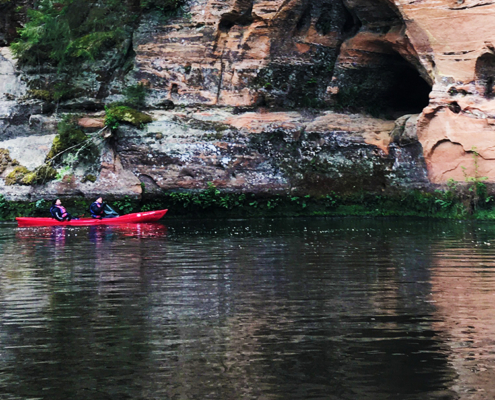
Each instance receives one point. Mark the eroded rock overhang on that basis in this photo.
(454, 42)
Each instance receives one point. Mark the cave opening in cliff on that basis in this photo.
(391, 88)
(485, 74)
(406, 92)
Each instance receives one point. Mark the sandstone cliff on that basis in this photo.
(241, 73)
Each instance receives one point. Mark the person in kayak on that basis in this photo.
(59, 212)
(100, 210)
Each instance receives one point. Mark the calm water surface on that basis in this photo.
(272, 309)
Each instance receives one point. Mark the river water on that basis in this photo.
(269, 309)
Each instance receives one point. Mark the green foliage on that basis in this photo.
(90, 46)
(111, 120)
(45, 36)
(165, 6)
(476, 189)
(116, 114)
(125, 205)
(215, 203)
(69, 135)
(39, 208)
(69, 32)
(62, 173)
(60, 32)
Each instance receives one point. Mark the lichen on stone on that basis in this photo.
(5, 159)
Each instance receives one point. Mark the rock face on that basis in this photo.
(243, 52)
(387, 52)
(253, 152)
(270, 152)
(239, 72)
(454, 41)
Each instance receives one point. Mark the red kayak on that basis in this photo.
(135, 218)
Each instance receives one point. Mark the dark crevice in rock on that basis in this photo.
(408, 91)
(455, 107)
(485, 73)
(391, 89)
(242, 17)
(443, 141)
(305, 21)
(148, 181)
(489, 3)
(389, 85)
(352, 23)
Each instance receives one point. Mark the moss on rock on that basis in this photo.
(29, 179)
(69, 135)
(40, 94)
(88, 178)
(126, 115)
(45, 173)
(17, 175)
(23, 176)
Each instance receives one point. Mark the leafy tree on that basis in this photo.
(69, 32)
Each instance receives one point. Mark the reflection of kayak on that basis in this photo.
(96, 233)
(135, 218)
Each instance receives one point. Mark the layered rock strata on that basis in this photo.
(281, 152)
(388, 58)
(388, 54)
(454, 41)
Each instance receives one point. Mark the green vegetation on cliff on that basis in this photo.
(69, 32)
(116, 114)
(20, 175)
(458, 201)
(69, 135)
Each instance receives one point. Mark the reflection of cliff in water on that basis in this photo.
(463, 284)
(291, 308)
(340, 311)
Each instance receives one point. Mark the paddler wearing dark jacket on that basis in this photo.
(97, 209)
(59, 212)
(100, 210)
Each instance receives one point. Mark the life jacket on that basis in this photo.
(55, 208)
(96, 210)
